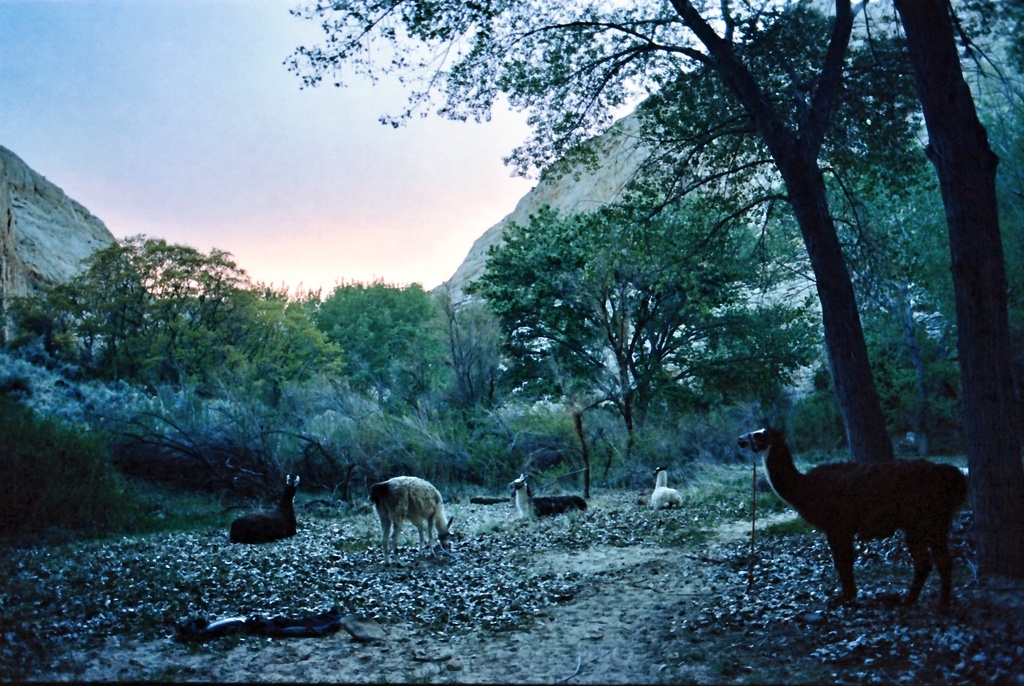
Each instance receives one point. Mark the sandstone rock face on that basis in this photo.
(620, 151)
(44, 235)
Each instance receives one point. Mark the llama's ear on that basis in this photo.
(774, 418)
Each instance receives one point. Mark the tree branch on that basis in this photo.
(831, 78)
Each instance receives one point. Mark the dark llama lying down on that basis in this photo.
(542, 506)
(268, 525)
(872, 501)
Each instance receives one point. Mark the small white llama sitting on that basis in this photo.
(664, 496)
(409, 498)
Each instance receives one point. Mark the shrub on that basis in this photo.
(815, 423)
(53, 477)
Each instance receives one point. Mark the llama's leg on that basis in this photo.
(395, 526)
(922, 565)
(419, 530)
(944, 563)
(842, 555)
(430, 538)
(440, 524)
(385, 527)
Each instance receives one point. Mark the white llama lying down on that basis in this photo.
(409, 498)
(664, 496)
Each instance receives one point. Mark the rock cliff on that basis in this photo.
(44, 235)
(620, 152)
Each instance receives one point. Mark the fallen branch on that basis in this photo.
(442, 657)
(579, 663)
(487, 500)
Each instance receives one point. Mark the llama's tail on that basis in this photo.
(379, 493)
(955, 486)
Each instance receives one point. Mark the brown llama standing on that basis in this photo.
(872, 501)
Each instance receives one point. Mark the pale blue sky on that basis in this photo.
(178, 119)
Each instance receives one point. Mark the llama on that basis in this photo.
(872, 501)
(268, 525)
(663, 496)
(409, 498)
(542, 506)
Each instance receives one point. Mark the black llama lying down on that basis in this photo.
(543, 506)
(872, 501)
(268, 525)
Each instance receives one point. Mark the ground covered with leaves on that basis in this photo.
(616, 594)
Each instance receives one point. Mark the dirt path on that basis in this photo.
(591, 602)
(626, 600)
(604, 635)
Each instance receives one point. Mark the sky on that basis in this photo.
(177, 119)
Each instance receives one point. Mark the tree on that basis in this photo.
(630, 309)
(899, 260)
(279, 344)
(389, 337)
(151, 312)
(573, 63)
(474, 351)
(966, 168)
(145, 310)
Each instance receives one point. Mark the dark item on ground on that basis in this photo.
(487, 500)
(200, 629)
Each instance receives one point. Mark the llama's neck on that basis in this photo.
(782, 473)
(523, 502)
(286, 502)
(439, 519)
(662, 481)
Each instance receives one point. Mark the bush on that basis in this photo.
(52, 477)
(815, 423)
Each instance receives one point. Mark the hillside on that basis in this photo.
(44, 235)
(620, 152)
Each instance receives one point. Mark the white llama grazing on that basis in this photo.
(409, 498)
(664, 496)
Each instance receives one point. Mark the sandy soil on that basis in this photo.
(641, 614)
(604, 636)
(608, 633)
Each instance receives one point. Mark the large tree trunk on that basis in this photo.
(844, 336)
(904, 310)
(577, 421)
(966, 166)
(796, 155)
